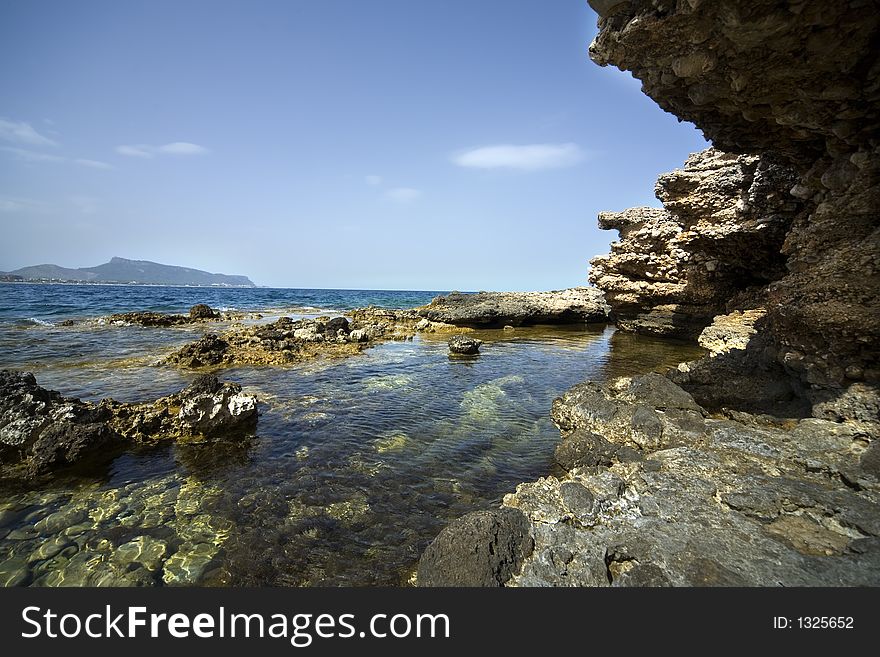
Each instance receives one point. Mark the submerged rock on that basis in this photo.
(496, 309)
(40, 430)
(464, 345)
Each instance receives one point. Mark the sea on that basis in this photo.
(355, 465)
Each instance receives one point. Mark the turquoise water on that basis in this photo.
(355, 466)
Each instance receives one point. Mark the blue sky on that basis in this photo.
(404, 144)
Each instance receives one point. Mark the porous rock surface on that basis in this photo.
(41, 430)
(463, 345)
(796, 83)
(198, 313)
(718, 235)
(484, 548)
(287, 341)
(498, 309)
(653, 491)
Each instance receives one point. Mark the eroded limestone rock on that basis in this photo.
(497, 309)
(40, 430)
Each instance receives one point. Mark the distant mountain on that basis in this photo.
(121, 270)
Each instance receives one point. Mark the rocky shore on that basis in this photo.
(656, 492)
(42, 431)
(198, 314)
(756, 465)
(288, 341)
(498, 309)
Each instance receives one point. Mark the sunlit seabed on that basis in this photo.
(356, 465)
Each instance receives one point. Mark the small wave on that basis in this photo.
(39, 322)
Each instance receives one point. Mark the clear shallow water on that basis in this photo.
(356, 465)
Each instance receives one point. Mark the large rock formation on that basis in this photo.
(798, 82)
(718, 235)
(40, 430)
(657, 493)
(497, 309)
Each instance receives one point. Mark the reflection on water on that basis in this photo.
(356, 466)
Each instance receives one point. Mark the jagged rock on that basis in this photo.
(495, 309)
(148, 318)
(731, 332)
(584, 449)
(483, 548)
(198, 313)
(647, 412)
(741, 371)
(813, 104)
(464, 345)
(277, 343)
(720, 232)
(286, 341)
(714, 502)
(210, 349)
(40, 430)
(203, 311)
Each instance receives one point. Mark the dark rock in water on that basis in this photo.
(288, 341)
(483, 548)
(461, 344)
(204, 384)
(198, 313)
(335, 325)
(65, 443)
(496, 309)
(210, 349)
(40, 430)
(147, 318)
(203, 311)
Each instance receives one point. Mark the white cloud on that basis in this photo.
(174, 148)
(527, 157)
(23, 133)
(31, 156)
(94, 164)
(182, 148)
(373, 180)
(403, 194)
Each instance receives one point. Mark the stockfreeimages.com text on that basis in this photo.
(299, 629)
